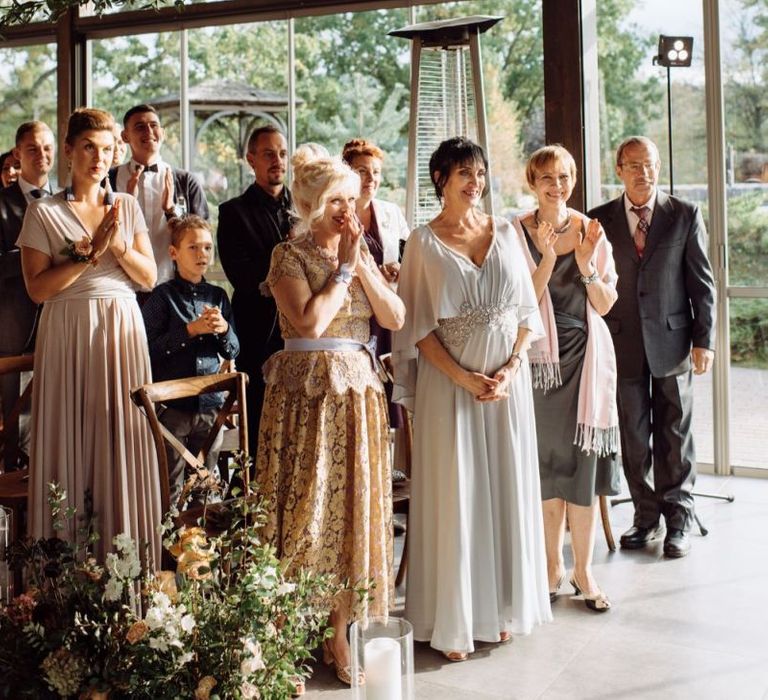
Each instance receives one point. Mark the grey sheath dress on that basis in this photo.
(566, 471)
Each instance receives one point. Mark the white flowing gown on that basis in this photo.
(477, 563)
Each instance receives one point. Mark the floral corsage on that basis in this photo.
(80, 251)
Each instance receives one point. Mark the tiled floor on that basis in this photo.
(692, 628)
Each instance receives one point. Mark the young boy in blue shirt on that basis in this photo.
(189, 330)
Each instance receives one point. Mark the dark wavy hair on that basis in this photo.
(449, 154)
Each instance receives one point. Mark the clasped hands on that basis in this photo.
(349, 253)
(210, 321)
(107, 235)
(495, 388)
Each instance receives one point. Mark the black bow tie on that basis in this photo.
(37, 193)
(150, 168)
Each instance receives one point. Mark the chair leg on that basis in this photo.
(403, 567)
(604, 516)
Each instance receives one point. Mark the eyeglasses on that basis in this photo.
(636, 167)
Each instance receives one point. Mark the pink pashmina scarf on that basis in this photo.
(597, 425)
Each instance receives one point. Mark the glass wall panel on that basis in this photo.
(144, 68)
(27, 90)
(513, 60)
(353, 81)
(749, 382)
(238, 81)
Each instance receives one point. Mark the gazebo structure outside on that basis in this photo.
(235, 108)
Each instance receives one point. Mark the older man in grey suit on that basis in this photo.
(663, 328)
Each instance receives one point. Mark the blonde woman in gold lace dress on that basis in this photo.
(323, 457)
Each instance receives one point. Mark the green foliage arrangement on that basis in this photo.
(20, 12)
(228, 624)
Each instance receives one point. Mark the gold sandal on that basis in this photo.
(343, 673)
(456, 656)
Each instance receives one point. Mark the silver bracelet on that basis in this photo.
(343, 275)
(586, 281)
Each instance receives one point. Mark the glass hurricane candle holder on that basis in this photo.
(382, 659)
(6, 576)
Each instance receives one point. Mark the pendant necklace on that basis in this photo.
(560, 229)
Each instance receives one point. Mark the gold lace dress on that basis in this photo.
(323, 455)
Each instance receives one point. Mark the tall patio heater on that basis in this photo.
(447, 99)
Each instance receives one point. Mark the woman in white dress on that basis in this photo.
(477, 566)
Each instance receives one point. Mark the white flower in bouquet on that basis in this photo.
(252, 660)
(285, 588)
(249, 690)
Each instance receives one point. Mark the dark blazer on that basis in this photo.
(250, 226)
(666, 301)
(183, 183)
(17, 310)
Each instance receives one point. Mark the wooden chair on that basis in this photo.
(14, 485)
(14, 365)
(605, 509)
(401, 490)
(233, 417)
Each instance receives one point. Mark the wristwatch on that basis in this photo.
(173, 212)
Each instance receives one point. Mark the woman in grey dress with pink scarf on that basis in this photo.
(574, 368)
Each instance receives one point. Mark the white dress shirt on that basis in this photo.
(632, 218)
(149, 194)
(27, 187)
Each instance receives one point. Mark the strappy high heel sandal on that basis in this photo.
(343, 673)
(553, 593)
(598, 602)
(456, 656)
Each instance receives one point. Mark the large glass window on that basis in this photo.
(27, 89)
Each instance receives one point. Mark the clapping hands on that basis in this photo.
(587, 245)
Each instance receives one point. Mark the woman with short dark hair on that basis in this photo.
(85, 252)
(476, 546)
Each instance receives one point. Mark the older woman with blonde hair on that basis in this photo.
(323, 456)
(84, 253)
(574, 367)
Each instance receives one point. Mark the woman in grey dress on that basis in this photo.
(574, 367)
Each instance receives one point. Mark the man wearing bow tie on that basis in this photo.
(663, 326)
(162, 191)
(34, 151)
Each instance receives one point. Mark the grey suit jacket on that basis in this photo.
(17, 310)
(666, 300)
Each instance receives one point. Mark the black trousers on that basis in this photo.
(656, 439)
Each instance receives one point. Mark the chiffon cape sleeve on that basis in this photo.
(422, 307)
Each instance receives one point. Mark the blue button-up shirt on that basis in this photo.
(174, 354)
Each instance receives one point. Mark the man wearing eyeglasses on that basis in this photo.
(163, 191)
(663, 328)
(250, 226)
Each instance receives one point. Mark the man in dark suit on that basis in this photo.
(34, 151)
(663, 325)
(250, 226)
(161, 190)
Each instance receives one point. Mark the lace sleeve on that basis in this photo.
(286, 262)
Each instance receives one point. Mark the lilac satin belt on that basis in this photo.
(337, 345)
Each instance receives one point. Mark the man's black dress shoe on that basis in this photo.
(637, 537)
(676, 543)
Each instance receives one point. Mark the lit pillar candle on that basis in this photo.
(382, 669)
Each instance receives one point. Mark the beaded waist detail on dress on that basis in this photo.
(500, 317)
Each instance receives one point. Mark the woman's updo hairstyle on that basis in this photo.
(449, 154)
(88, 119)
(546, 156)
(316, 176)
(360, 147)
